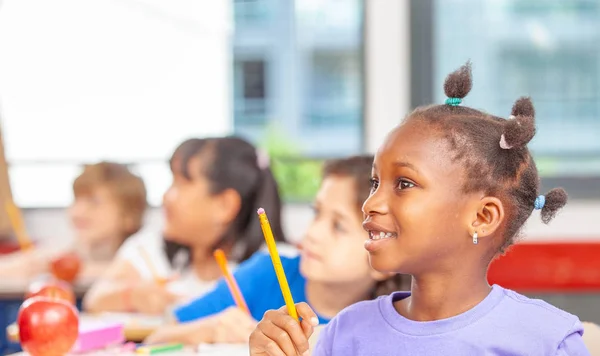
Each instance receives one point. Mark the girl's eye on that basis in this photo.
(338, 227)
(315, 210)
(374, 184)
(404, 184)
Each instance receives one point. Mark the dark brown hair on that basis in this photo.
(127, 188)
(359, 169)
(233, 163)
(493, 151)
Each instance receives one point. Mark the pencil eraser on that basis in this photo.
(94, 335)
(261, 211)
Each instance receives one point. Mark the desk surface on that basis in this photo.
(137, 327)
(210, 350)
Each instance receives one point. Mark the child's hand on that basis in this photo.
(149, 297)
(278, 334)
(232, 326)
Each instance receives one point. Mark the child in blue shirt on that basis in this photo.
(320, 273)
(451, 188)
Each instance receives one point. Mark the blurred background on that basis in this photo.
(128, 80)
(307, 80)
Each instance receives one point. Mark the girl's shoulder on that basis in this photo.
(537, 308)
(261, 260)
(146, 241)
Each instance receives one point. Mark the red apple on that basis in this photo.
(47, 327)
(55, 289)
(66, 267)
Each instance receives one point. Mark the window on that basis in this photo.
(252, 13)
(298, 84)
(308, 83)
(335, 90)
(565, 89)
(250, 92)
(545, 49)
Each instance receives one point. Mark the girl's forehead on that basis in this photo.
(337, 192)
(417, 147)
(191, 168)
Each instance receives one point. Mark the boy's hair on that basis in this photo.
(127, 188)
(359, 169)
(233, 163)
(494, 152)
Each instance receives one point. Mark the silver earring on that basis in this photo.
(475, 238)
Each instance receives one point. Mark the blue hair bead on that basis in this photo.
(539, 202)
(453, 101)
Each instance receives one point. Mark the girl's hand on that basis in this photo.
(231, 326)
(278, 334)
(149, 297)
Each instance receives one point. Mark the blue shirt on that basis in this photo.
(258, 284)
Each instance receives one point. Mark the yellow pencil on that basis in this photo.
(283, 284)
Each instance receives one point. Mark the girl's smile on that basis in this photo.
(378, 236)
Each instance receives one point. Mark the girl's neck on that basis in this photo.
(203, 264)
(99, 252)
(436, 297)
(328, 299)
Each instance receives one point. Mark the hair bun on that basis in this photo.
(555, 200)
(523, 107)
(519, 129)
(459, 83)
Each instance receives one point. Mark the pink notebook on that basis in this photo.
(96, 334)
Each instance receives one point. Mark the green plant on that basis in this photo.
(298, 177)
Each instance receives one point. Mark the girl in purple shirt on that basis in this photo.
(451, 189)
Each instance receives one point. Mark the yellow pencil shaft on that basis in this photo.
(283, 284)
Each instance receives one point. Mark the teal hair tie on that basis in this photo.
(453, 101)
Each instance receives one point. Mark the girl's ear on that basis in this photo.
(488, 217)
(128, 223)
(229, 204)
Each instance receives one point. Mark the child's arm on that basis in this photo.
(250, 276)
(93, 270)
(27, 264)
(279, 333)
(232, 326)
(214, 316)
(591, 337)
(122, 289)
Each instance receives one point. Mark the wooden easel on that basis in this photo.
(5, 194)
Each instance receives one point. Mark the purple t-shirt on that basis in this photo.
(504, 323)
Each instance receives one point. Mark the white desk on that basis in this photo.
(209, 350)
